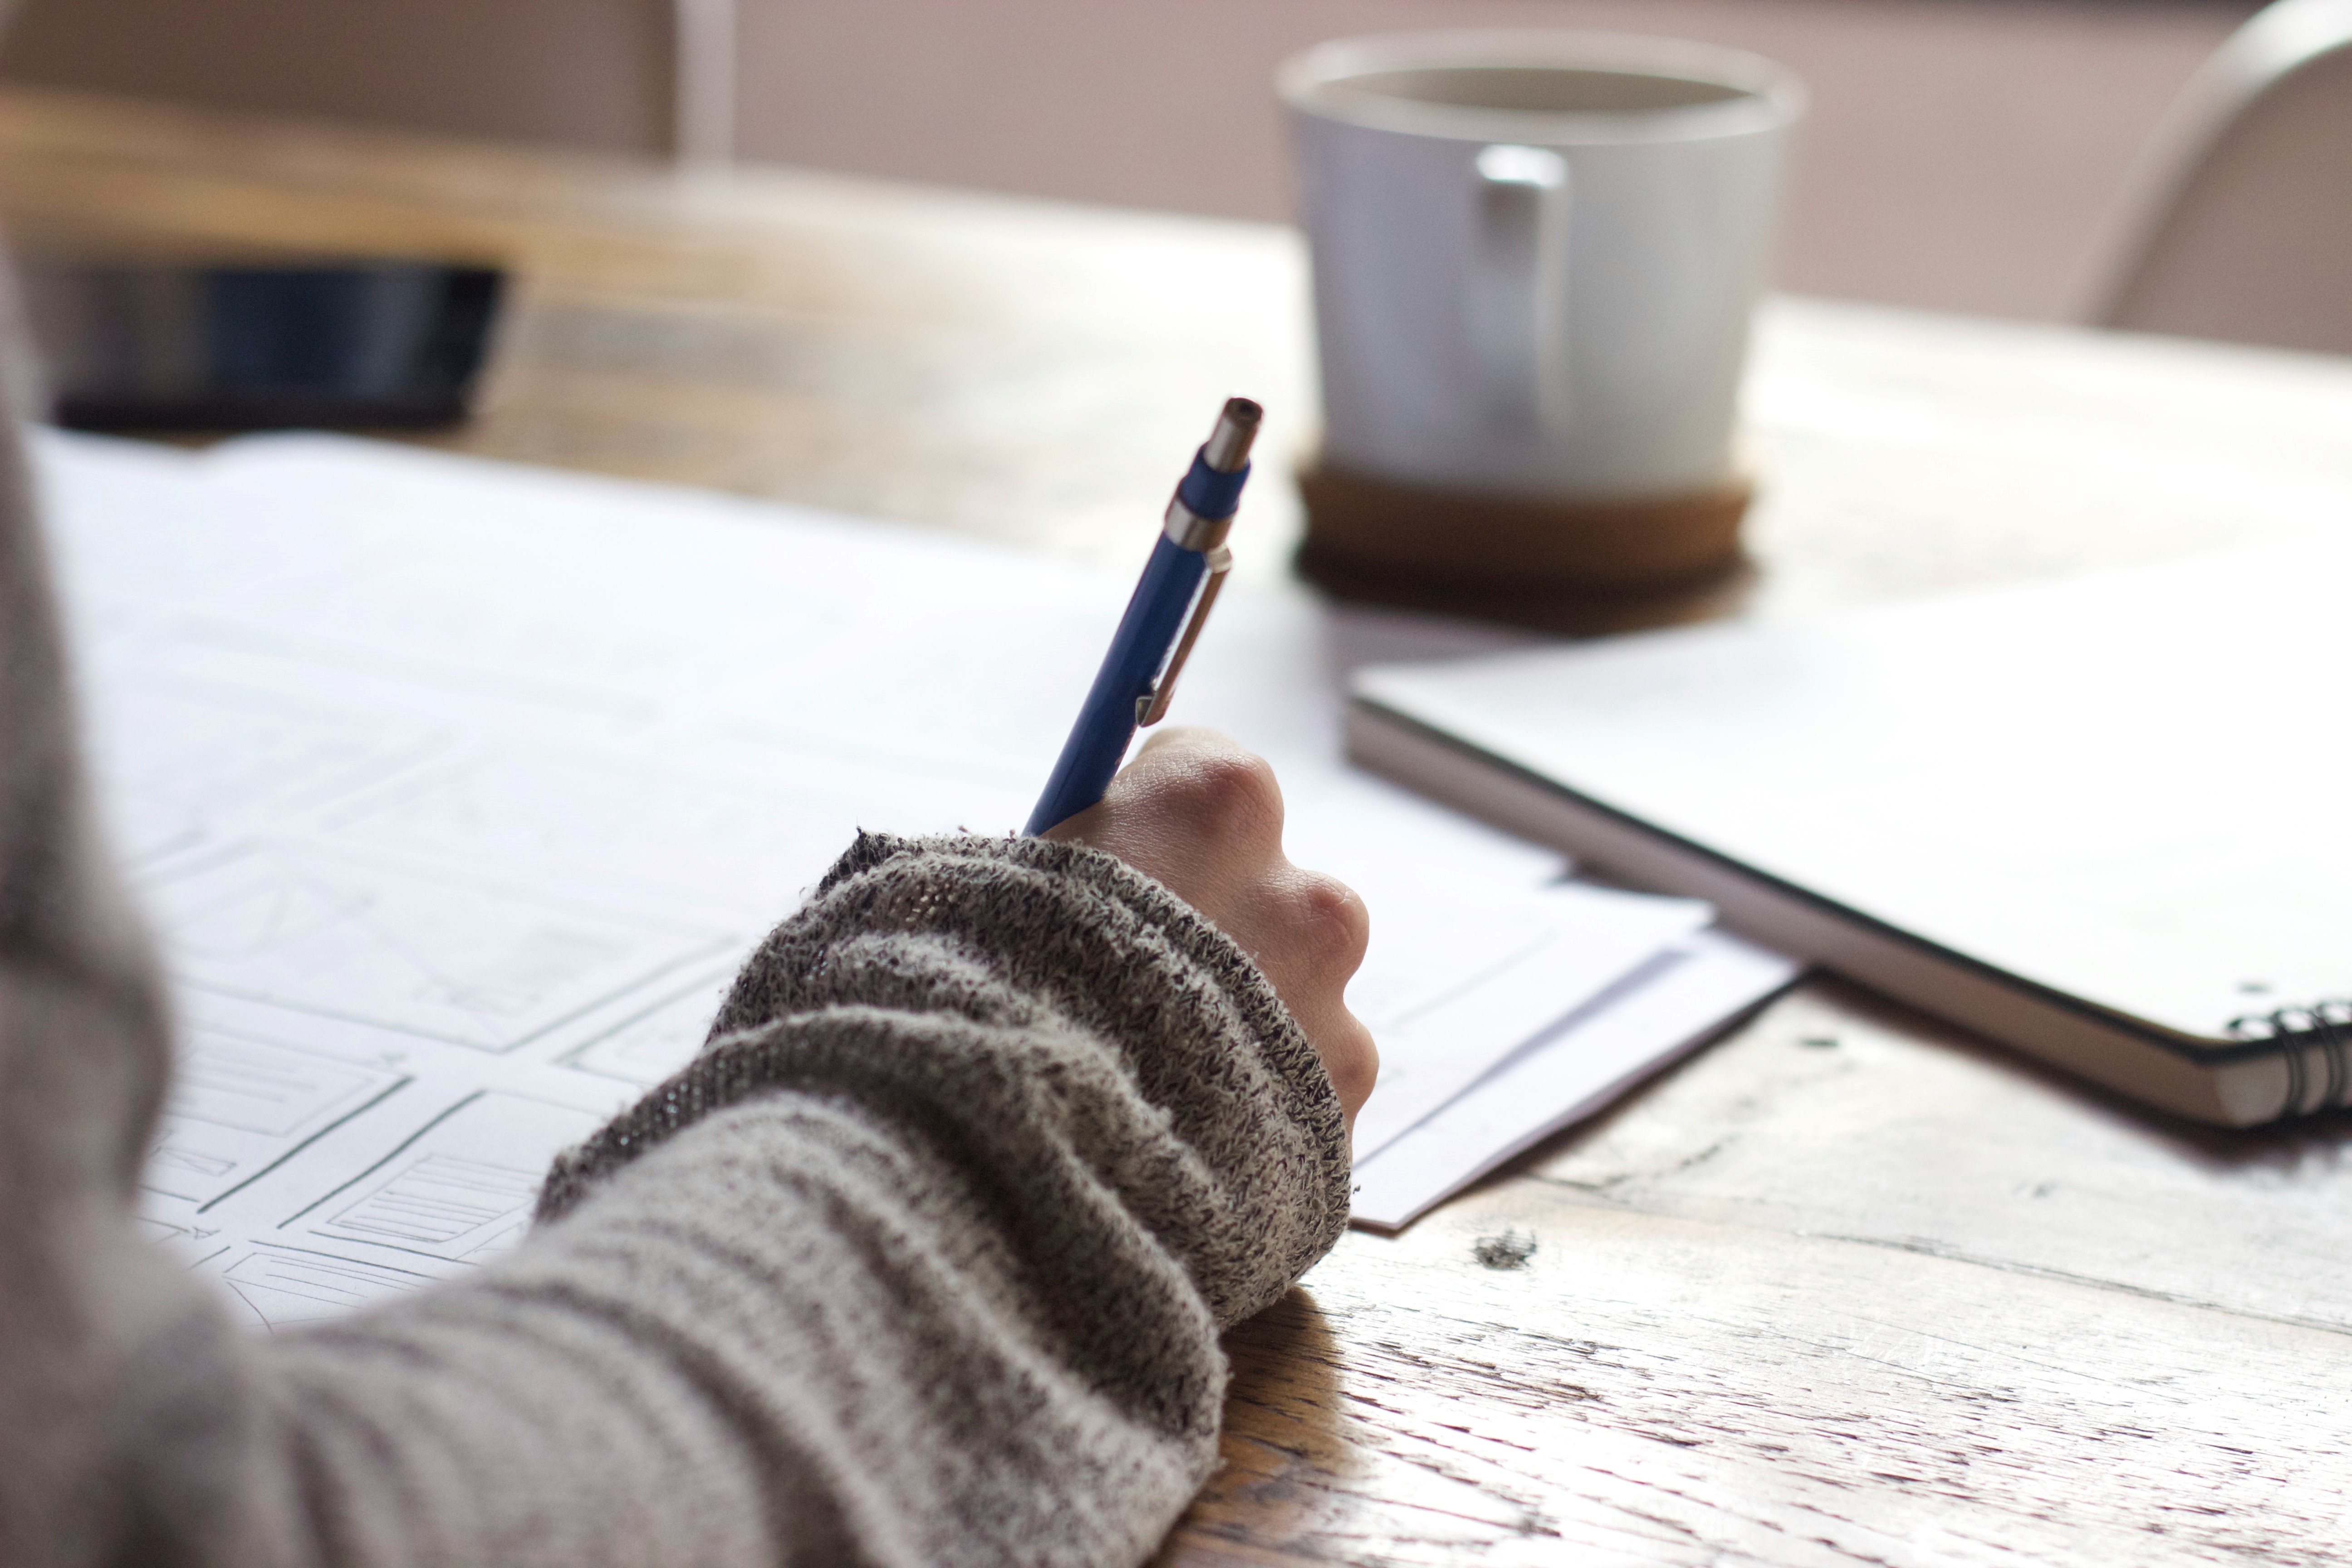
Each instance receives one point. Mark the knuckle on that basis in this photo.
(1232, 788)
(1353, 1062)
(1333, 919)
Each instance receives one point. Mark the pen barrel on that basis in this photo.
(1147, 632)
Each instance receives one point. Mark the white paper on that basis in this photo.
(1455, 996)
(456, 792)
(1646, 1023)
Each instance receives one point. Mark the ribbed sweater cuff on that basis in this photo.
(1235, 1154)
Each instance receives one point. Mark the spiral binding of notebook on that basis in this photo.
(2323, 1029)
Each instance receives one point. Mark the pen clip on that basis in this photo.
(1152, 706)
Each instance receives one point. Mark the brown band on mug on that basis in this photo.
(1559, 563)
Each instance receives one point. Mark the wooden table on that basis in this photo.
(1847, 1289)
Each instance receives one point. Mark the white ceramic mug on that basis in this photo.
(1535, 254)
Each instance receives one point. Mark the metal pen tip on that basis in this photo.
(1228, 444)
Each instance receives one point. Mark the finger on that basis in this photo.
(1326, 929)
(1208, 787)
(1333, 925)
(1352, 1058)
(1082, 828)
(1206, 782)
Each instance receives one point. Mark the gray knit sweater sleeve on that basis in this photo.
(922, 1261)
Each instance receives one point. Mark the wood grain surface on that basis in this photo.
(1848, 1287)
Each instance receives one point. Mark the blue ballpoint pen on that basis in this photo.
(1188, 564)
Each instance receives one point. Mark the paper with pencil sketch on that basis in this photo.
(457, 792)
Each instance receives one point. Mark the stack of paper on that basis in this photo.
(458, 790)
(1648, 1019)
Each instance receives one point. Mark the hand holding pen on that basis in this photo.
(1164, 619)
(1194, 812)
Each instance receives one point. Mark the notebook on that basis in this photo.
(2103, 819)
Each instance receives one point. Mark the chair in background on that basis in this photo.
(653, 77)
(2242, 226)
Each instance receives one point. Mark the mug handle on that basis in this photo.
(1517, 302)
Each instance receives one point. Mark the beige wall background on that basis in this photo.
(1962, 154)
